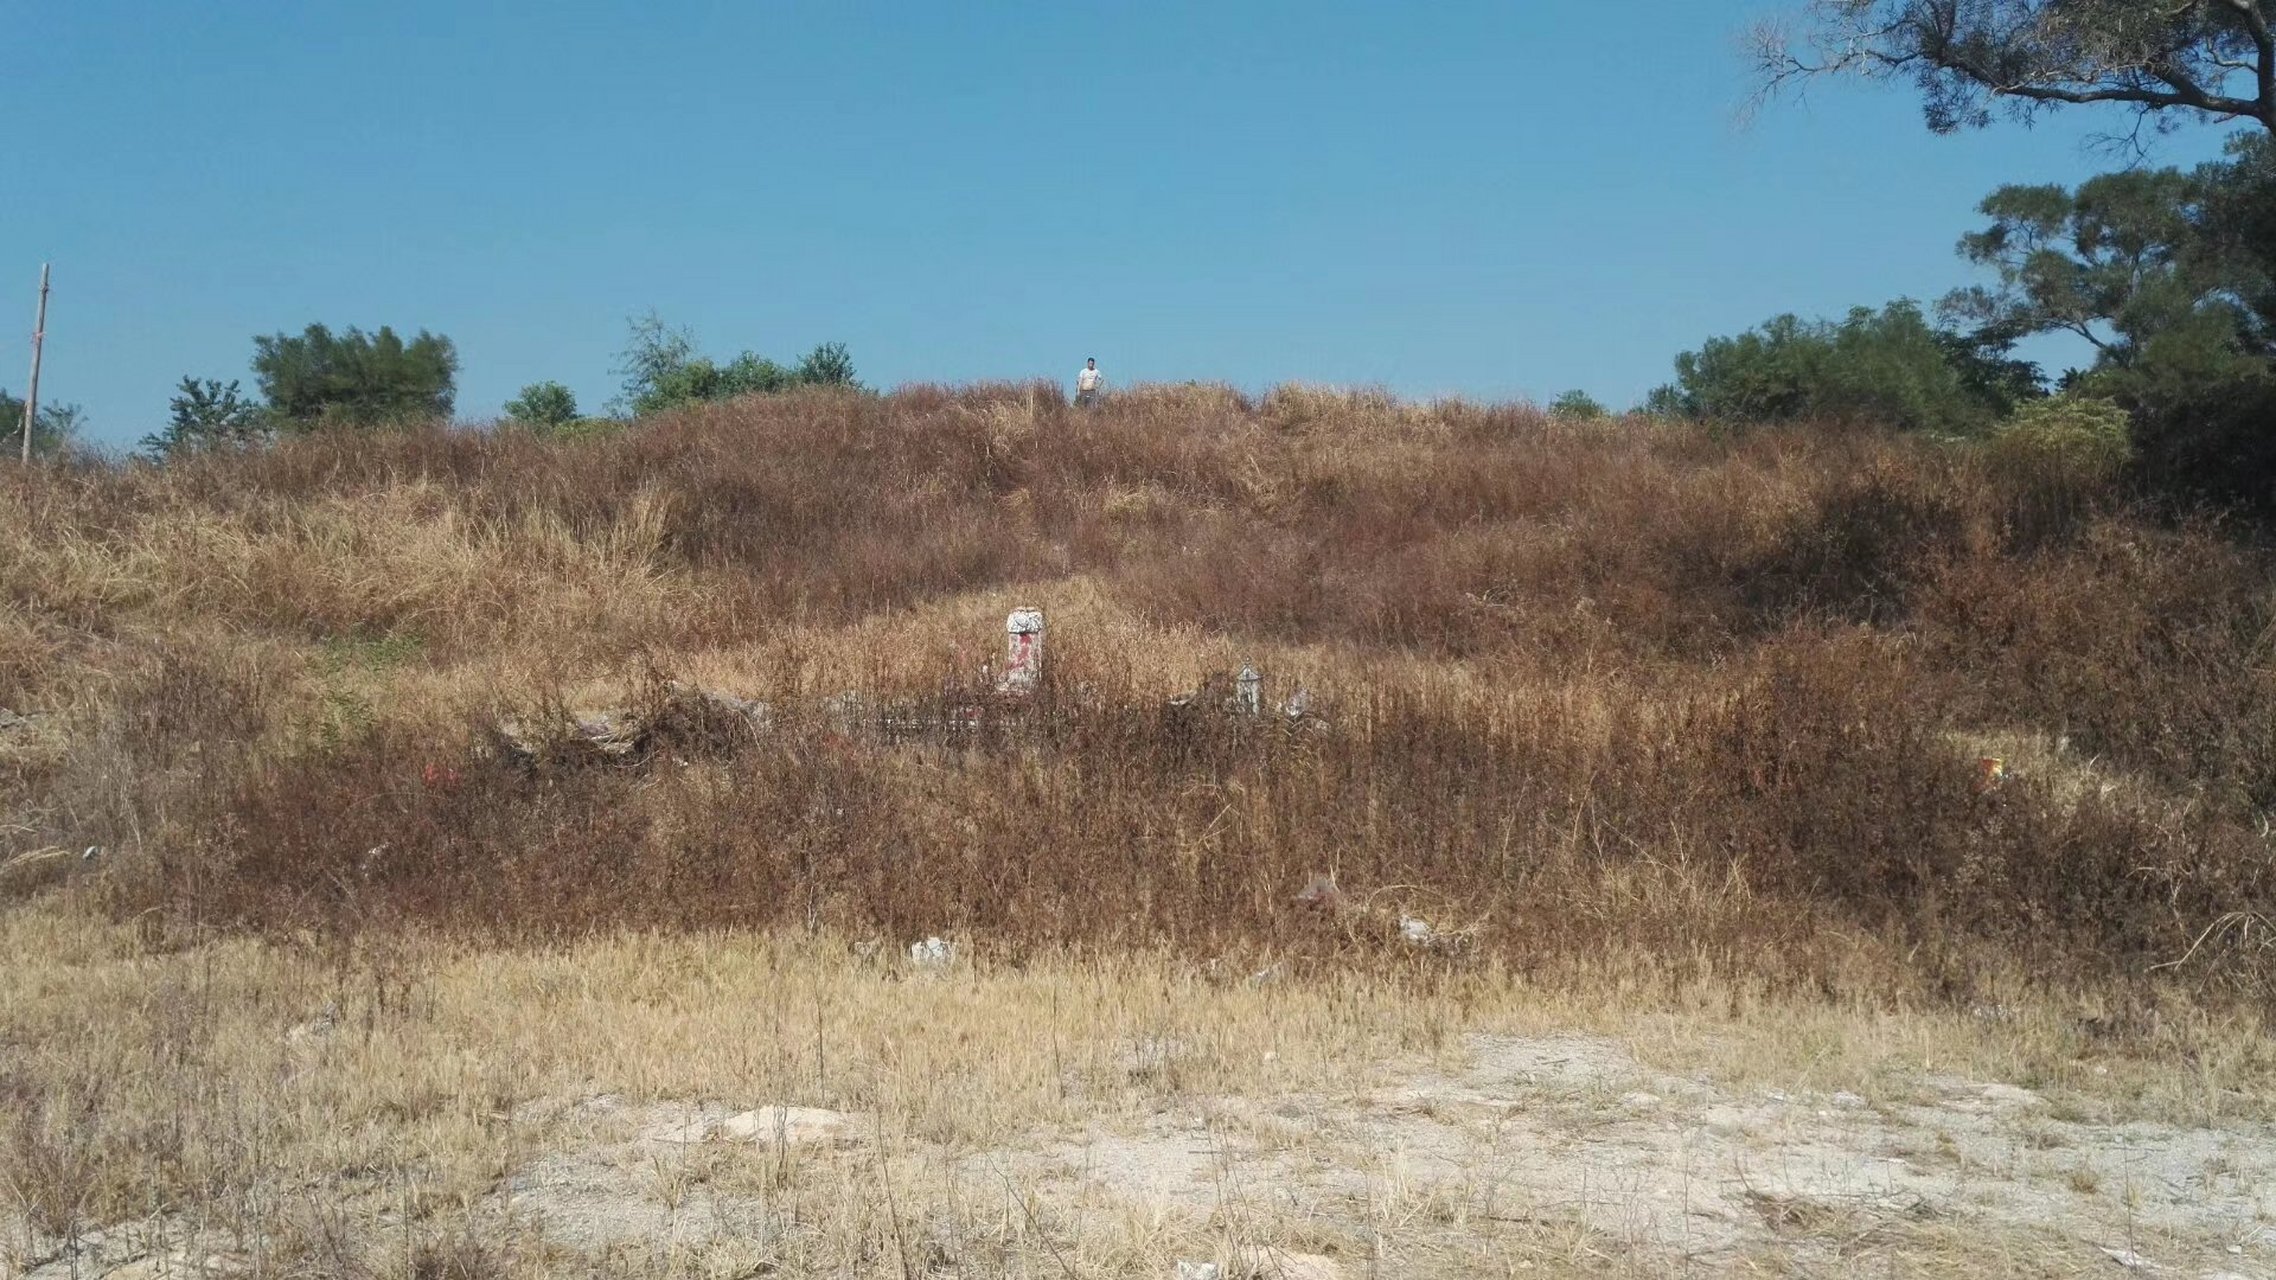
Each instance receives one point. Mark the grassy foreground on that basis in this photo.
(431, 1109)
(1668, 737)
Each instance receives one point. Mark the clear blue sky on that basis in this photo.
(1481, 197)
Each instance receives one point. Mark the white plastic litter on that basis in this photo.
(932, 953)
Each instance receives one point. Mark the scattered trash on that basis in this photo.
(1248, 691)
(1366, 916)
(1321, 895)
(2129, 1259)
(1298, 703)
(1199, 1270)
(932, 953)
(1991, 771)
(1268, 975)
(91, 853)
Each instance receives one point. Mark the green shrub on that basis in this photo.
(1577, 404)
(2070, 439)
(543, 404)
(1889, 366)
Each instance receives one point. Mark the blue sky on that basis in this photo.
(1487, 198)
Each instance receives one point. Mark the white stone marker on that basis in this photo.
(1023, 651)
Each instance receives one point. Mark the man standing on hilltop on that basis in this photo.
(1087, 384)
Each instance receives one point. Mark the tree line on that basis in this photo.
(320, 380)
(2168, 275)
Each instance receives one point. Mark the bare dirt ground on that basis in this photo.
(1499, 1154)
(1567, 1136)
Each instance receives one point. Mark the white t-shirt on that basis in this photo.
(1088, 379)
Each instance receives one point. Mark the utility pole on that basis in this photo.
(32, 394)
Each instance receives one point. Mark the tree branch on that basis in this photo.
(2264, 38)
(2153, 98)
(2255, 21)
(2182, 56)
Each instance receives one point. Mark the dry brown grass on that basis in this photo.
(1651, 719)
(300, 1107)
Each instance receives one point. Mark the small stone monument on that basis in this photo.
(1023, 652)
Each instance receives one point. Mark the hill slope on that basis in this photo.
(1723, 700)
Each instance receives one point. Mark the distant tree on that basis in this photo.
(355, 378)
(654, 364)
(749, 374)
(58, 424)
(543, 404)
(1577, 404)
(661, 370)
(828, 365)
(2167, 60)
(1888, 366)
(205, 414)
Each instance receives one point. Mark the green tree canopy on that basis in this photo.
(828, 365)
(355, 378)
(543, 404)
(661, 369)
(57, 424)
(2127, 257)
(205, 414)
(2168, 60)
(2171, 275)
(1577, 404)
(1888, 366)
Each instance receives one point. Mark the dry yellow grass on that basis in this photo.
(1676, 734)
(297, 1108)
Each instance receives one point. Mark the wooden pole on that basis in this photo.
(32, 393)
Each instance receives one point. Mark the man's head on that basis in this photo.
(1091, 363)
